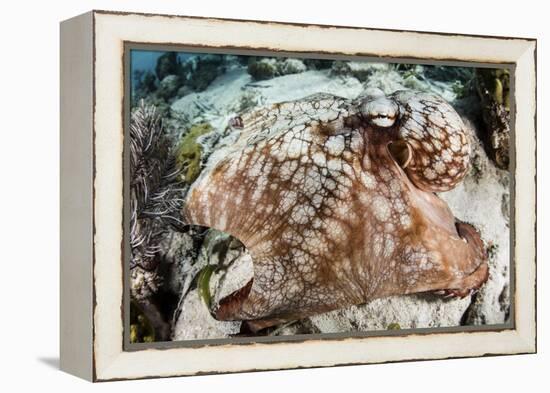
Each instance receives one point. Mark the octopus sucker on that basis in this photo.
(338, 208)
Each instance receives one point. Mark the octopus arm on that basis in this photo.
(438, 139)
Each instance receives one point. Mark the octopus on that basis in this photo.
(335, 199)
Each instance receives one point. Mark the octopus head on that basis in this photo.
(430, 142)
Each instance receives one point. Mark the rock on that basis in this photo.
(148, 323)
(358, 69)
(448, 73)
(205, 69)
(196, 323)
(296, 86)
(169, 87)
(263, 69)
(248, 100)
(493, 88)
(390, 78)
(215, 105)
(194, 320)
(178, 254)
(292, 66)
(318, 64)
(145, 85)
(183, 91)
(409, 312)
(161, 105)
(386, 80)
(144, 283)
(168, 64)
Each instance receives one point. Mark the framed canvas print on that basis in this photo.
(246, 195)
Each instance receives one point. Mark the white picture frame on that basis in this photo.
(92, 139)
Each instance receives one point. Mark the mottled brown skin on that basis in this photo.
(329, 216)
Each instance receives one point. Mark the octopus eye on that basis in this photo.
(380, 111)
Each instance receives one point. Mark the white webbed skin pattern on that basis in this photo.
(329, 217)
(438, 138)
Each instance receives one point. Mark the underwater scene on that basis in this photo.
(281, 196)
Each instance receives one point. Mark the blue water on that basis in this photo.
(146, 60)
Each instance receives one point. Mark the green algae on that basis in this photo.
(141, 330)
(189, 152)
(497, 82)
(203, 284)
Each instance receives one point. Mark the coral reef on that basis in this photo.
(174, 79)
(203, 71)
(493, 88)
(167, 64)
(169, 87)
(480, 199)
(318, 64)
(267, 68)
(140, 328)
(292, 66)
(357, 69)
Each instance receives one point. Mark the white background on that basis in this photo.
(29, 197)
